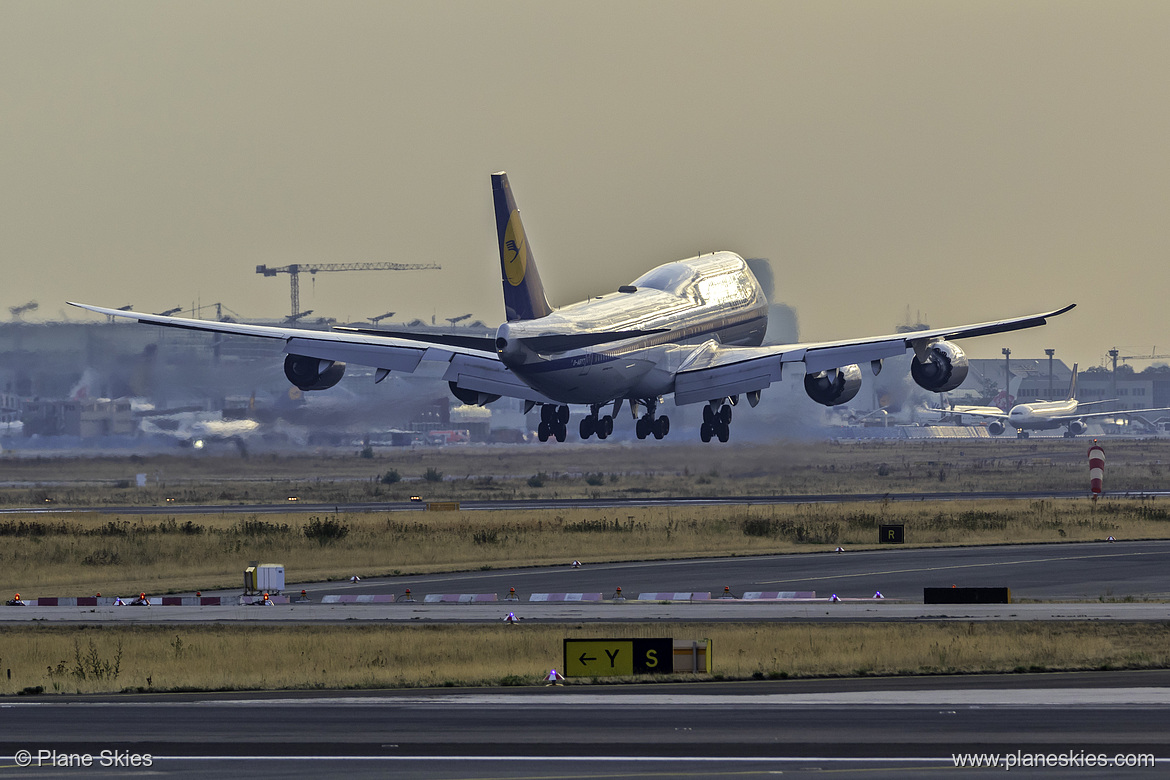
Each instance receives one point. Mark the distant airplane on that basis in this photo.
(1041, 415)
(692, 328)
(197, 429)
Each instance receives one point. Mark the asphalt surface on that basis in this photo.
(1074, 581)
(1075, 571)
(885, 728)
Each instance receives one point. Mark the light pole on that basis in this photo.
(1050, 353)
(1007, 376)
(1114, 353)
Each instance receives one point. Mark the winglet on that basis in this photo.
(523, 292)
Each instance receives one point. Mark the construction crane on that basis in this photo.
(295, 270)
(1115, 353)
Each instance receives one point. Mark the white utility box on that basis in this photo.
(264, 578)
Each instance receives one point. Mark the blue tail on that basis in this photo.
(523, 293)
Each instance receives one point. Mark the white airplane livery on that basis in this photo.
(692, 328)
(1042, 415)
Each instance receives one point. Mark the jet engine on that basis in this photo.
(996, 427)
(471, 397)
(945, 368)
(310, 373)
(1077, 427)
(834, 387)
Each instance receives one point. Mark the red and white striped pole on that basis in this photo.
(1096, 468)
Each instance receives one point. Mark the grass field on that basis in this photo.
(587, 470)
(87, 553)
(92, 660)
(77, 554)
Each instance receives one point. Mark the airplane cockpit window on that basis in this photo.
(674, 278)
(724, 288)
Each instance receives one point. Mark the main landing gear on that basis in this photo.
(602, 426)
(716, 420)
(554, 422)
(651, 425)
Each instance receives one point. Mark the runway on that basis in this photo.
(883, 728)
(1049, 572)
(1072, 581)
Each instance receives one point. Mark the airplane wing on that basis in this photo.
(472, 363)
(715, 371)
(964, 413)
(1126, 413)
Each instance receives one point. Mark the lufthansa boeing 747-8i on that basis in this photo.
(691, 328)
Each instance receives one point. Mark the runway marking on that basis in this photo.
(959, 566)
(1133, 696)
(563, 759)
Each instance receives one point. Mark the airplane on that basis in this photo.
(691, 328)
(1041, 415)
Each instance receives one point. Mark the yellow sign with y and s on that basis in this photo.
(618, 657)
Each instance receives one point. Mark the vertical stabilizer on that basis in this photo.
(523, 292)
(1072, 385)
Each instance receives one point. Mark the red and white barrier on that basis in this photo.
(675, 596)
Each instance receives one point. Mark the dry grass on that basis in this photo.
(593, 470)
(87, 553)
(91, 660)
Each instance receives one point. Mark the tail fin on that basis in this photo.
(523, 292)
(1072, 386)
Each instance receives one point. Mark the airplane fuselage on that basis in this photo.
(708, 298)
(1042, 415)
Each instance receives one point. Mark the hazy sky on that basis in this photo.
(968, 160)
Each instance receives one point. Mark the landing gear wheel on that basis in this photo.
(606, 425)
(705, 431)
(542, 431)
(563, 415)
(587, 425)
(724, 432)
(642, 427)
(661, 427)
(725, 415)
(561, 432)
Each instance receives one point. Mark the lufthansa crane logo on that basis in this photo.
(515, 250)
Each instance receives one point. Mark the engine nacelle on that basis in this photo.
(833, 387)
(945, 368)
(471, 397)
(1076, 427)
(996, 427)
(309, 373)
